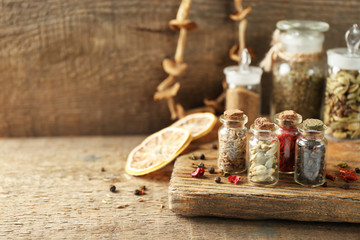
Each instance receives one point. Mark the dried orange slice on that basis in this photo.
(157, 150)
(199, 124)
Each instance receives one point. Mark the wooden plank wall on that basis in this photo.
(86, 67)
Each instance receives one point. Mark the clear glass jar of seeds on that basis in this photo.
(243, 90)
(342, 96)
(287, 134)
(232, 142)
(263, 151)
(310, 160)
(299, 72)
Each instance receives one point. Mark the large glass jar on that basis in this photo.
(310, 163)
(232, 142)
(287, 134)
(342, 97)
(263, 154)
(299, 73)
(243, 90)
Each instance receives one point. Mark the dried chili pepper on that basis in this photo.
(348, 174)
(234, 179)
(199, 172)
(331, 177)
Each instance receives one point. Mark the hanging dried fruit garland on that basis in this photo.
(168, 88)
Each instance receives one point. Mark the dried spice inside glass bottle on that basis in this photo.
(243, 90)
(310, 163)
(263, 153)
(299, 74)
(232, 142)
(287, 134)
(342, 97)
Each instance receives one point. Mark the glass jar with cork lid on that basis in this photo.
(232, 142)
(342, 97)
(310, 159)
(263, 151)
(287, 134)
(298, 70)
(244, 88)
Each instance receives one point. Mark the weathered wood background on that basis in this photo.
(91, 67)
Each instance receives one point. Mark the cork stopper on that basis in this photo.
(313, 124)
(233, 114)
(288, 115)
(263, 123)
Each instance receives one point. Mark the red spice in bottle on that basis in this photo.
(287, 138)
(287, 135)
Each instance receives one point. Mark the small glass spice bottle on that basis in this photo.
(287, 134)
(232, 141)
(310, 154)
(342, 96)
(263, 153)
(243, 91)
(299, 73)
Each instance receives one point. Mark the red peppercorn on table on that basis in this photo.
(55, 188)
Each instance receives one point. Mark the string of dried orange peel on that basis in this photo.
(168, 88)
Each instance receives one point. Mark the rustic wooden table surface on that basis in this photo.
(53, 188)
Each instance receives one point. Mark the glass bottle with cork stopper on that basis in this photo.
(310, 159)
(342, 97)
(243, 90)
(287, 134)
(298, 70)
(232, 141)
(263, 153)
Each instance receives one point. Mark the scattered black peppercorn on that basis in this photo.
(214, 146)
(201, 165)
(202, 157)
(112, 188)
(325, 184)
(345, 186)
(212, 170)
(218, 179)
(137, 192)
(357, 170)
(103, 169)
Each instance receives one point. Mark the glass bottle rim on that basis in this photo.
(243, 120)
(303, 130)
(281, 122)
(302, 25)
(261, 131)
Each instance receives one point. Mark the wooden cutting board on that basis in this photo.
(287, 200)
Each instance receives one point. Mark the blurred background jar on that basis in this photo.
(342, 97)
(244, 88)
(298, 70)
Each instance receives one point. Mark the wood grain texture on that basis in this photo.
(287, 200)
(53, 188)
(85, 67)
